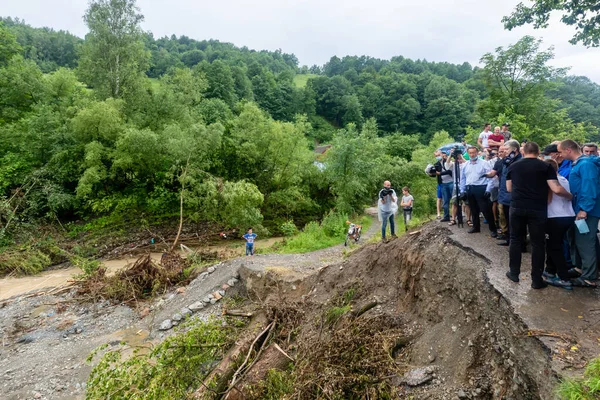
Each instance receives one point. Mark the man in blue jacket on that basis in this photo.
(584, 182)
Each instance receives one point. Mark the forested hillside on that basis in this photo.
(120, 124)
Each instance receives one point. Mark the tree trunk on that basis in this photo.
(219, 378)
(272, 358)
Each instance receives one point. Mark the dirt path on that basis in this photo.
(47, 338)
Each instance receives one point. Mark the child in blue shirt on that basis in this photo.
(249, 236)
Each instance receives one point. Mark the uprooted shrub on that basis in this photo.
(353, 358)
(143, 279)
(170, 370)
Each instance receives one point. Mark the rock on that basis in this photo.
(461, 394)
(417, 376)
(37, 395)
(207, 299)
(217, 295)
(78, 330)
(196, 306)
(144, 313)
(225, 286)
(431, 357)
(470, 343)
(186, 312)
(454, 328)
(203, 276)
(213, 301)
(221, 292)
(232, 282)
(26, 339)
(180, 290)
(166, 325)
(210, 270)
(171, 296)
(177, 317)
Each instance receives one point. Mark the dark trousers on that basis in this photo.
(556, 230)
(478, 203)
(522, 219)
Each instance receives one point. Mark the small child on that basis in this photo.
(249, 236)
(407, 205)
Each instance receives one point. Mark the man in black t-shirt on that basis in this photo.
(528, 181)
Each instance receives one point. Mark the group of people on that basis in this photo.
(549, 198)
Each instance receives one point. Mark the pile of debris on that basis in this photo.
(142, 280)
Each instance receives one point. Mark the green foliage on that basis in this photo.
(352, 166)
(316, 236)
(113, 55)
(586, 387)
(288, 228)
(582, 14)
(88, 267)
(276, 386)
(241, 202)
(170, 370)
(8, 45)
(342, 306)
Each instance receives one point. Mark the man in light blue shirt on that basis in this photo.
(477, 186)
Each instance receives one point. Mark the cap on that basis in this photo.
(505, 124)
(551, 148)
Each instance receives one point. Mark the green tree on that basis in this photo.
(583, 14)
(352, 165)
(113, 57)
(517, 79)
(8, 45)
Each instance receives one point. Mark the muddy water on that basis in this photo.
(12, 286)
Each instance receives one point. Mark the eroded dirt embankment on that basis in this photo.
(413, 317)
(438, 293)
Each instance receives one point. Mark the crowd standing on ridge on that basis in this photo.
(548, 198)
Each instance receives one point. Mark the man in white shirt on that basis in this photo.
(483, 137)
(477, 186)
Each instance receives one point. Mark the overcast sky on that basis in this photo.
(314, 30)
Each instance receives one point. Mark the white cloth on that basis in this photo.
(484, 135)
(390, 205)
(560, 206)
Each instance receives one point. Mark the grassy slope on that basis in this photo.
(301, 79)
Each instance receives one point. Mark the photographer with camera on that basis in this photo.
(475, 183)
(444, 170)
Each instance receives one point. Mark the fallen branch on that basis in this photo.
(238, 313)
(267, 329)
(283, 352)
(364, 309)
(540, 332)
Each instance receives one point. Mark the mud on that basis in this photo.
(458, 323)
(441, 288)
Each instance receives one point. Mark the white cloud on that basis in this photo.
(314, 30)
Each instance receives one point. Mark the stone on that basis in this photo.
(232, 282)
(210, 270)
(177, 317)
(186, 312)
(144, 313)
(165, 325)
(225, 286)
(217, 295)
(37, 395)
(196, 306)
(213, 301)
(461, 394)
(207, 299)
(417, 376)
(180, 290)
(26, 339)
(221, 292)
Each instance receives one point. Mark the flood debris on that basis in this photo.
(139, 281)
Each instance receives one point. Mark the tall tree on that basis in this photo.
(517, 77)
(584, 14)
(113, 55)
(8, 45)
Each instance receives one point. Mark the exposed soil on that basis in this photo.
(434, 301)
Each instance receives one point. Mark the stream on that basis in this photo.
(13, 286)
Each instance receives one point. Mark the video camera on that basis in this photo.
(456, 152)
